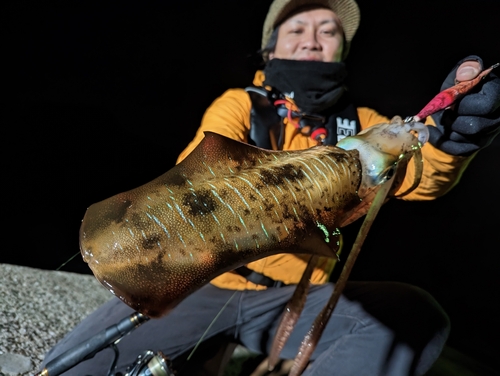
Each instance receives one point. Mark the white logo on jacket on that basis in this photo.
(345, 128)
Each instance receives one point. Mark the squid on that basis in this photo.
(228, 204)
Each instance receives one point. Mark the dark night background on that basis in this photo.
(106, 95)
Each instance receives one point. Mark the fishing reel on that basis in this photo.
(149, 364)
(146, 364)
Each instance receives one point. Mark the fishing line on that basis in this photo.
(211, 324)
(68, 260)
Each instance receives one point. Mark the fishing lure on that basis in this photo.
(449, 96)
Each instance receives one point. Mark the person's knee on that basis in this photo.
(422, 309)
(419, 323)
(409, 316)
(405, 312)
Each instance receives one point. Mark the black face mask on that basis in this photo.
(313, 85)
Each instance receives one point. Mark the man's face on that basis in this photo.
(310, 35)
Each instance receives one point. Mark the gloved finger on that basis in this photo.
(458, 148)
(483, 102)
(468, 70)
(455, 143)
(450, 79)
(452, 147)
(471, 125)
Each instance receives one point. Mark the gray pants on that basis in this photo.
(377, 328)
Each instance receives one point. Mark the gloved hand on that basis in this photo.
(473, 122)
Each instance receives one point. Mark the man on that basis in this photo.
(298, 101)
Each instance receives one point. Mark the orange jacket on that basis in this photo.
(229, 115)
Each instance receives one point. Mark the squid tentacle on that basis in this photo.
(291, 314)
(419, 168)
(311, 339)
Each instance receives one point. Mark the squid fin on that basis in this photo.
(217, 152)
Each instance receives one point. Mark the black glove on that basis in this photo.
(473, 122)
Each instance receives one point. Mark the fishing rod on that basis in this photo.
(146, 364)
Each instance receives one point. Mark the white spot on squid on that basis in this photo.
(181, 239)
(239, 194)
(264, 229)
(275, 199)
(322, 173)
(209, 169)
(224, 203)
(179, 210)
(215, 218)
(191, 223)
(252, 186)
(291, 190)
(308, 195)
(277, 215)
(257, 244)
(243, 223)
(222, 236)
(161, 225)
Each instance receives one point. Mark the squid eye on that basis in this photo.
(390, 172)
(387, 174)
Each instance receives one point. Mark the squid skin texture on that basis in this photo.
(225, 205)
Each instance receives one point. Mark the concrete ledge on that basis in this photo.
(37, 308)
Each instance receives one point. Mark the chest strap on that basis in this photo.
(267, 127)
(258, 278)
